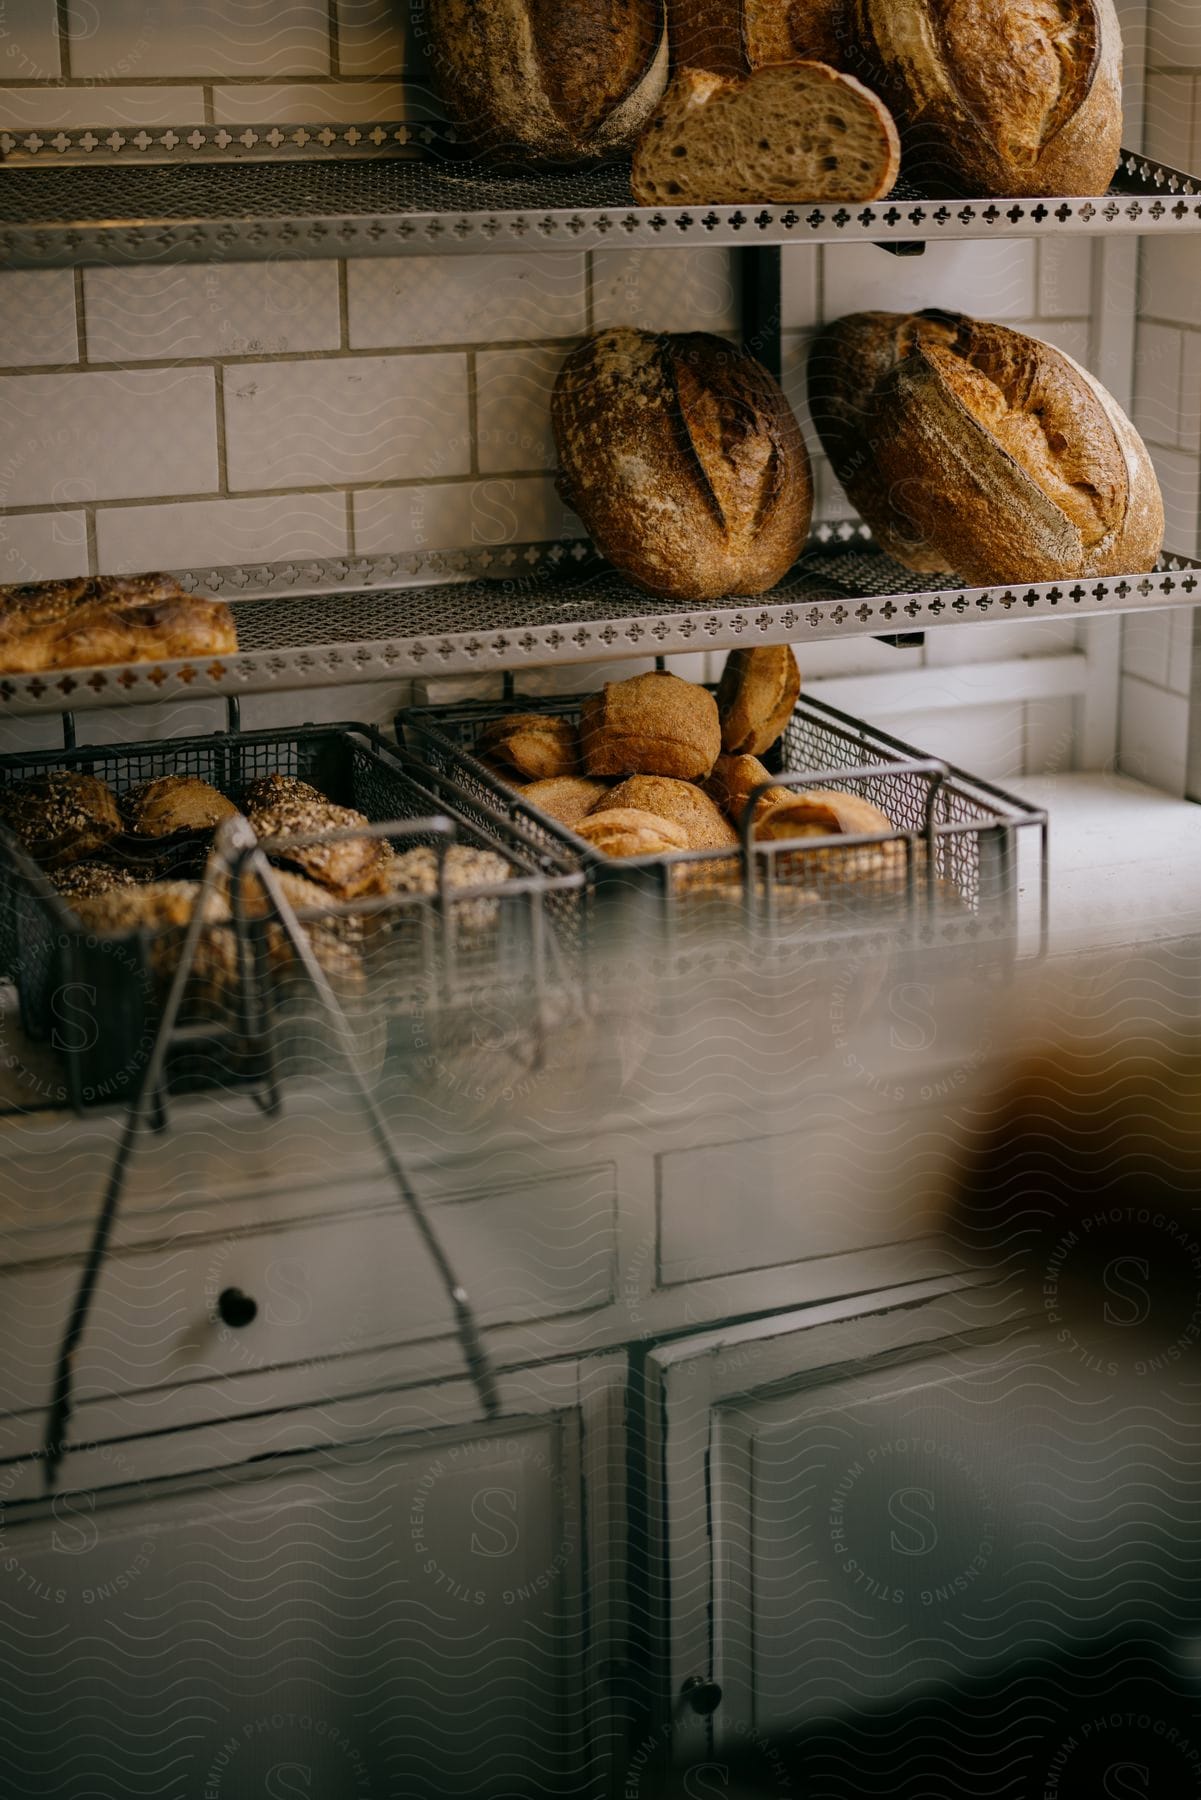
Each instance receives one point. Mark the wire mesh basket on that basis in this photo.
(947, 871)
(94, 998)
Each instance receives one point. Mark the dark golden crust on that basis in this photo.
(348, 868)
(137, 618)
(269, 790)
(684, 460)
(536, 745)
(755, 698)
(687, 806)
(731, 37)
(174, 803)
(1000, 97)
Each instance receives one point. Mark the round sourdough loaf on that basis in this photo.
(999, 97)
(541, 81)
(1015, 463)
(732, 36)
(680, 801)
(848, 361)
(684, 460)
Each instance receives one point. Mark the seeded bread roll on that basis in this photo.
(732, 37)
(685, 462)
(347, 868)
(60, 818)
(848, 362)
(652, 724)
(756, 696)
(1000, 97)
(687, 806)
(626, 831)
(567, 798)
(416, 872)
(538, 81)
(174, 803)
(734, 780)
(537, 745)
(1015, 463)
(794, 132)
(86, 880)
(269, 790)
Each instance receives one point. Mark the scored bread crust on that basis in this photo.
(654, 724)
(687, 806)
(70, 625)
(731, 37)
(61, 817)
(627, 831)
(173, 803)
(543, 82)
(1000, 97)
(1016, 462)
(789, 132)
(683, 458)
(755, 697)
(848, 363)
(734, 780)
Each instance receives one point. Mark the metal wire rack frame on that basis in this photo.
(398, 205)
(352, 619)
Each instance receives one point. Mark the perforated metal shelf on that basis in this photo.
(390, 206)
(351, 620)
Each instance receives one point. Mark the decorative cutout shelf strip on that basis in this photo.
(396, 205)
(353, 620)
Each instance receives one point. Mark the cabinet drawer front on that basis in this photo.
(182, 1312)
(851, 1180)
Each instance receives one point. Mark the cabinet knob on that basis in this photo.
(701, 1694)
(236, 1308)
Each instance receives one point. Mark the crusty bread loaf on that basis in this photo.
(652, 724)
(684, 460)
(567, 798)
(685, 805)
(1016, 463)
(791, 132)
(629, 832)
(74, 624)
(416, 872)
(85, 880)
(174, 803)
(731, 37)
(61, 817)
(755, 698)
(536, 745)
(1000, 97)
(848, 362)
(538, 81)
(269, 790)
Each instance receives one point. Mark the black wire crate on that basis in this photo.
(947, 872)
(402, 964)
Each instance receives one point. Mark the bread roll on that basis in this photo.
(1015, 463)
(629, 832)
(416, 872)
(73, 624)
(734, 780)
(732, 37)
(85, 880)
(848, 362)
(756, 696)
(537, 745)
(652, 724)
(268, 790)
(567, 798)
(538, 81)
(822, 812)
(174, 803)
(1000, 97)
(684, 460)
(686, 806)
(62, 817)
(794, 132)
(348, 867)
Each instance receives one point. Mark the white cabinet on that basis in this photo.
(861, 1504)
(403, 1615)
